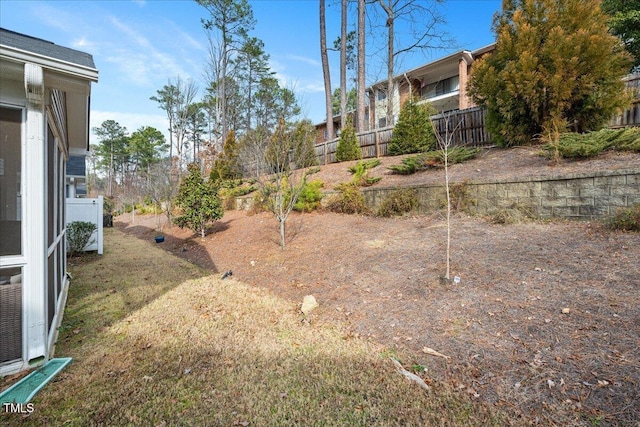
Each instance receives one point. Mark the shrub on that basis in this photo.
(260, 200)
(349, 200)
(79, 235)
(432, 159)
(232, 188)
(459, 197)
(398, 202)
(556, 67)
(414, 131)
(513, 214)
(348, 146)
(360, 172)
(108, 206)
(579, 146)
(198, 199)
(628, 140)
(627, 219)
(310, 196)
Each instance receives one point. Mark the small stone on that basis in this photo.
(308, 304)
(566, 310)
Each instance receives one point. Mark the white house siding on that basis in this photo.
(41, 88)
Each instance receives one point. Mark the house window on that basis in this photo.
(382, 122)
(381, 95)
(441, 87)
(10, 182)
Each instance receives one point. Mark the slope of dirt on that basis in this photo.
(544, 322)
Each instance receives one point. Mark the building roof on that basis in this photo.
(62, 56)
(434, 64)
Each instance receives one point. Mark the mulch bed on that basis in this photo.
(544, 322)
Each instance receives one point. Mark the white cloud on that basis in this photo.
(84, 44)
(52, 17)
(139, 61)
(304, 59)
(136, 37)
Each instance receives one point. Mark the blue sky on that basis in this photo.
(138, 45)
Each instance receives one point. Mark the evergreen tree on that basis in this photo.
(304, 152)
(146, 146)
(625, 23)
(112, 151)
(348, 147)
(199, 202)
(227, 165)
(555, 67)
(414, 132)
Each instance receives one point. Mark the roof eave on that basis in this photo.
(50, 63)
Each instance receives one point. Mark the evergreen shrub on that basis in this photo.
(79, 235)
(414, 131)
(627, 219)
(399, 202)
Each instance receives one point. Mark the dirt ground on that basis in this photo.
(544, 322)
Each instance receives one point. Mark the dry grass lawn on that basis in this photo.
(157, 341)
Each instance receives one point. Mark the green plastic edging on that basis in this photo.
(25, 389)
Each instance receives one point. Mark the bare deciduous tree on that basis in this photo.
(421, 21)
(279, 162)
(445, 144)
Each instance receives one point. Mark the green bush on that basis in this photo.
(79, 235)
(198, 201)
(627, 219)
(360, 172)
(349, 200)
(348, 146)
(398, 202)
(592, 144)
(433, 159)
(108, 206)
(309, 197)
(414, 131)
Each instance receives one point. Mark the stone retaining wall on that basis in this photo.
(576, 196)
(588, 195)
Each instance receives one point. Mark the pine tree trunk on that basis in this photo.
(361, 107)
(325, 71)
(343, 67)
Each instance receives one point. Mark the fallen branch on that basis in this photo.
(432, 352)
(411, 376)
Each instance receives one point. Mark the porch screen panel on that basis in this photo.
(51, 184)
(10, 181)
(60, 250)
(51, 291)
(10, 314)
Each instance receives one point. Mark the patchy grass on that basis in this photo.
(156, 341)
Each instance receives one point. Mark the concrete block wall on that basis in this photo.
(584, 196)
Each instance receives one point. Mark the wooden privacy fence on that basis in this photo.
(631, 116)
(373, 143)
(464, 127)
